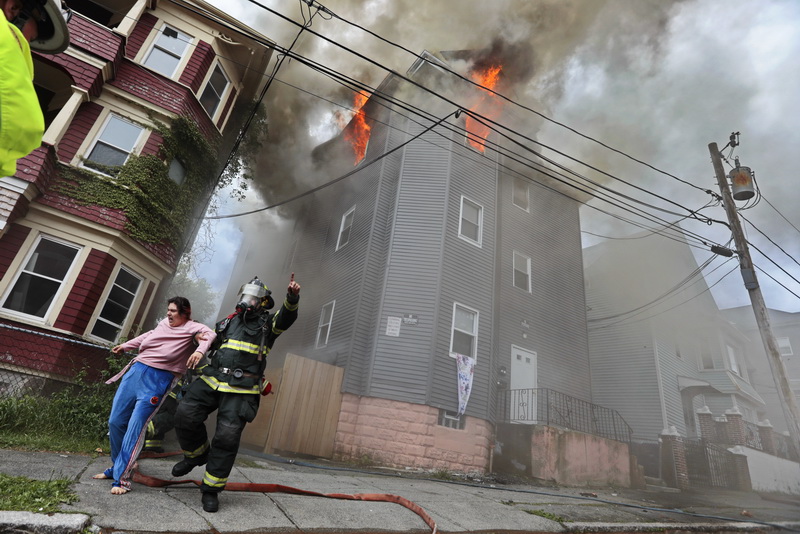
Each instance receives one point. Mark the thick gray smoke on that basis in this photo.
(657, 80)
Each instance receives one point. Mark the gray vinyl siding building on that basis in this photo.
(660, 348)
(407, 262)
(786, 329)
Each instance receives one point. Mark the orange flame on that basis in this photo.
(357, 132)
(488, 105)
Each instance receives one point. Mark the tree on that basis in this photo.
(201, 295)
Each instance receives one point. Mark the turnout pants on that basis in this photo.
(234, 411)
(163, 421)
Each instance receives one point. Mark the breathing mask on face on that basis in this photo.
(254, 296)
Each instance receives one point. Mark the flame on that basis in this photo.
(488, 105)
(357, 132)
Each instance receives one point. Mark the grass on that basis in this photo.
(53, 442)
(22, 494)
(442, 474)
(73, 419)
(547, 515)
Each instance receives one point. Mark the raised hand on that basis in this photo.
(294, 287)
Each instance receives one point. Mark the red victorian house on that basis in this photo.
(93, 222)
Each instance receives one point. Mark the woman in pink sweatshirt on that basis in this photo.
(164, 355)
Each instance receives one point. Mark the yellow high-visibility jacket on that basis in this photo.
(21, 119)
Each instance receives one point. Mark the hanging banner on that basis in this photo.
(465, 366)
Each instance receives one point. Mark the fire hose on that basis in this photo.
(148, 480)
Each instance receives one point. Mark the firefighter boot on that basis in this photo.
(187, 464)
(210, 501)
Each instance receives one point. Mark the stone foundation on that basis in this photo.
(400, 434)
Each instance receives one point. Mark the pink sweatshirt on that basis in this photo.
(166, 347)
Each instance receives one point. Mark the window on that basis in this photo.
(522, 272)
(115, 143)
(118, 305)
(465, 331)
(40, 280)
(520, 196)
(705, 356)
(450, 420)
(214, 91)
(471, 224)
(324, 328)
(785, 346)
(734, 364)
(344, 229)
(177, 172)
(168, 50)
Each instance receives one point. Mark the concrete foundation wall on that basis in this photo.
(576, 459)
(400, 434)
(771, 474)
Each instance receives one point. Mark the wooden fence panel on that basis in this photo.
(307, 407)
(255, 434)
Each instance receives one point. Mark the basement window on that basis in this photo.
(451, 420)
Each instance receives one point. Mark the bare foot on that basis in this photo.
(119, 490)
(100, 476)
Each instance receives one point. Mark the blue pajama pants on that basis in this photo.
(140, 393)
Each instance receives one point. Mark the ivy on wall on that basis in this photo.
(157, 208)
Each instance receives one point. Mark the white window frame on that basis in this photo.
(344, 237)
(322, 324)
(189, 40)
(64, 282)
(785, 346)
(515, 270)
(733, 362)
(514, 188)
(474, 333)
(225, 92)
(101, 319)
(461, 235)
(97, 138)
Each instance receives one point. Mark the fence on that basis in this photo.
(709, 465)
(548, 407)
(36, 362)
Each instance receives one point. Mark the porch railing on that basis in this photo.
(544, 406)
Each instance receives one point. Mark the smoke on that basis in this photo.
(303, 105)
(657, 80)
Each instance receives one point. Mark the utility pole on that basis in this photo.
(785, 394)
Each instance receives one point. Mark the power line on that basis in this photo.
(538, 113)
(769, 239)
(626, 320)
(336, 75)
(340, 178)
(777, 282)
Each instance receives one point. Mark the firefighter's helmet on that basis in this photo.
(255, 296)
(51, 20)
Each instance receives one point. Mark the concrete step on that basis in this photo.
(660, 489)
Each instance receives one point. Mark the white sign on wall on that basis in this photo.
(393, 326)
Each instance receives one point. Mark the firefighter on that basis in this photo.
(231, 384)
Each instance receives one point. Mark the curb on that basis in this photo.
(29, 522)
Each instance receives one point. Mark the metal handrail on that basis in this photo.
(544, 406)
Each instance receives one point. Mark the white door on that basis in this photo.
(523, 386)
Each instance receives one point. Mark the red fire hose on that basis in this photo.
(278, 488)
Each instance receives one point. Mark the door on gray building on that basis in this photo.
(523, 386)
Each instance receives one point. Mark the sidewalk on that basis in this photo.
(474, 506)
